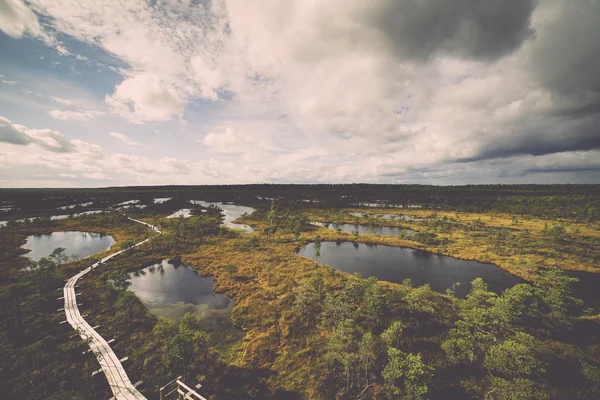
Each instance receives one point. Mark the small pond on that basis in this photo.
(231, 212)
(80, 244)
(363, 229)
(170, 290)
(394, 264)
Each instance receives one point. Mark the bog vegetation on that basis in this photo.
(311, 332)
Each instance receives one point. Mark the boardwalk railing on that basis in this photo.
(184, 392)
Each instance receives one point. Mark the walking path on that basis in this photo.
(118, 380)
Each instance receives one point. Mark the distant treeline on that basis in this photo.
(580, 202)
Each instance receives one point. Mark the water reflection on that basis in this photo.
(363, 229)
(184, 212)
(170, 289)
(394, 264)
(79, 244)
(231, 212)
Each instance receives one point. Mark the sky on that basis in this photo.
(112, 93)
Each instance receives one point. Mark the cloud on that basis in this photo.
(13, 134)
(351, 90)
(79, 115)
(61, 100)
(29, 155)
(227, 141)
(96, 176)
(16, 19)
(123, 138)
(7, 82)
(46, 138)
(143, 98)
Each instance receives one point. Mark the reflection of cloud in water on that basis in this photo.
(209, 319)
(164, 284)
(170, 290)
(184, 212)
(231, 212)
(81, 244)
(365, 229)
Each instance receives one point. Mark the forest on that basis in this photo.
(300, 328)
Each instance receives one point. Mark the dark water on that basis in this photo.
(171, 289)
(393, 264)
(588, 288)
(80, 244)
(363, 229)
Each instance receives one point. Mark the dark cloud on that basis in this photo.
(566, 56)
(541, 138)
(481, 29)
(565, 168)
(564, 60)
(10, 134)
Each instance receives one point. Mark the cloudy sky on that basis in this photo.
(108, 93)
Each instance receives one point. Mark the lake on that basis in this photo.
(231, 212)
(364, 229)
(394, 264)
(171, 289)
(80, 244)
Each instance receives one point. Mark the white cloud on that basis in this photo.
(16, 19)
(31, 152)
(96, 176)
(61, 100)
(79, 115)
(143, 98)
(123, 138)
(227, 141)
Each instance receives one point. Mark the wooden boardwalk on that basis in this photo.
(118, 380)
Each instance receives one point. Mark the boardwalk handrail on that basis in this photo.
(187, 392)
(118, 380)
